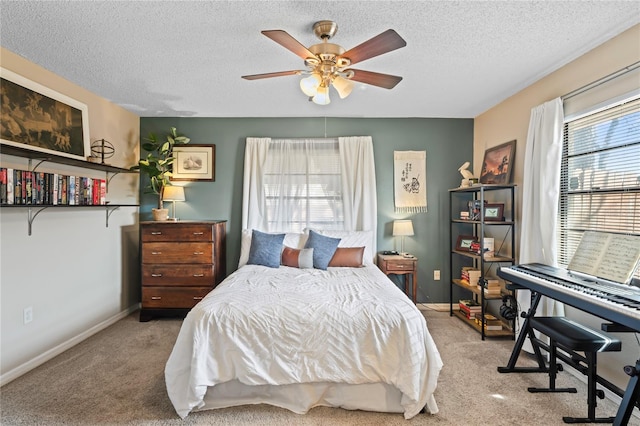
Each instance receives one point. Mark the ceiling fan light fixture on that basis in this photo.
(327, 63)
(342, 86)
(309, 85)
(322, 97)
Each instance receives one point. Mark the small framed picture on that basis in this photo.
(194, 162)
(464, 242)
(493, 212)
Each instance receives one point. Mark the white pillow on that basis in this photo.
(292, 239)
(353, 239)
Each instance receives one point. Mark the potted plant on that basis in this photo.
(158, 165)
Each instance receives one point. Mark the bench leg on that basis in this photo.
(553, 373)
(592, 392)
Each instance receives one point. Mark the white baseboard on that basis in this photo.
(439, 307)
(55, 351)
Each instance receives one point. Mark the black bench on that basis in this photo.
(573, 337)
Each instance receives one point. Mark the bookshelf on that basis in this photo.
(39, 158)
(487, 220)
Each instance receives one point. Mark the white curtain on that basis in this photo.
(540, 194)
(356, 180)
(359, 184)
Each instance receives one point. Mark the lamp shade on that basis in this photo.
(309, 85)
(322, 97)
(402, 228)
(173, 193)
(343, 86)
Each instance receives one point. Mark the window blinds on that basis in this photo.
(600, 175)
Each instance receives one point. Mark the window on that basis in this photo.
(303, 185)
(600, 176)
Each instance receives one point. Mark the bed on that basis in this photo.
(298, 337)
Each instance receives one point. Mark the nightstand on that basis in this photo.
(400, 265)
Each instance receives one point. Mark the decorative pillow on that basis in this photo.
(265, 249)
(297, 258)
(323, 249)
(291, 239)
(347, 257)
(354, 239)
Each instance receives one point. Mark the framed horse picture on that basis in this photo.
(41, 119)
(497, 165)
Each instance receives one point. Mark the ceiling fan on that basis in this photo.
(329, 64)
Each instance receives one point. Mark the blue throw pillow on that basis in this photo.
(265, 249)
(323, 249)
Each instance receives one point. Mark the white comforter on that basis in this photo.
(265, 326)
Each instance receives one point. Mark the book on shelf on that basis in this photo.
(3, 185)
(470, 275)
(44, 188)
(469, 308)
(489, 322)
(492, 287)
(10, 186)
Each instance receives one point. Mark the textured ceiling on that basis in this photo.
(185, 58)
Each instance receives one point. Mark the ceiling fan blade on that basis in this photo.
(284, 39)
(375, 78)
(270, 74)
(382, 43)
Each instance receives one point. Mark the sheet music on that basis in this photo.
(610, 256)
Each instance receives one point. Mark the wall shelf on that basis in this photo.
(41, 157)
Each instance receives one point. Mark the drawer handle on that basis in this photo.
(198, 275)
(198, 253)
(156, 275)
(156, 252)
(197, 297)
(198, 233)
(156, 233)
(156, 297)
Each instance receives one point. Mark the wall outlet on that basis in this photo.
(27, 314)
(436, 275)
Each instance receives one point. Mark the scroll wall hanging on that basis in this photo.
(410, 181)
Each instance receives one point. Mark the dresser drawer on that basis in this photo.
(178, 274)
(177, 253)
(172, 297)
(177, 232)
(400, 265)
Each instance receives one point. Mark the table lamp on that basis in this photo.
(173, 194)
(402, 228)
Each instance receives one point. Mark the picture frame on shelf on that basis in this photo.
(464, 242)
(194, 162)
(41, 119)
(497, 165)
(494, 212)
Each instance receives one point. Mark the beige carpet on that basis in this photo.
(116, 378)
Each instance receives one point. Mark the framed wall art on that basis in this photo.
(40, 119)
(464, 242)
(497, 164)
(194, 162)
(493, 212)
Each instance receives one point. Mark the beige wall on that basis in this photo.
(76, 273)
(510, 120)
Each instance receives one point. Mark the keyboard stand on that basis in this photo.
(526, 331)
(631, 395)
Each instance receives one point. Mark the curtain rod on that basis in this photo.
(601, 81)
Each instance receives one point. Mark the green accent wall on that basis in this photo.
(448, 143)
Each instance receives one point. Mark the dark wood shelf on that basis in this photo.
(59, 159)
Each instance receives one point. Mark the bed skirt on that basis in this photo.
(301, 397)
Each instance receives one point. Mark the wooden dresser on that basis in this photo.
(181, 262)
